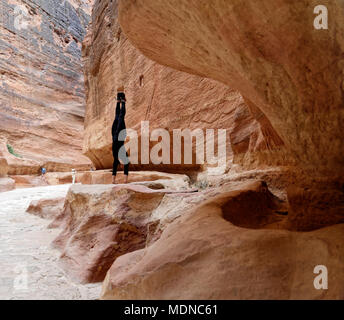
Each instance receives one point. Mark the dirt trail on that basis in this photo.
(28, 264)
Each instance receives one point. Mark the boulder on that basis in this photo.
(102, 222)
(28, 181)
(205, 255)
(46, 208)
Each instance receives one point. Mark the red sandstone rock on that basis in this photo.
(27, 181)
(237, 239)
(148, 178)
(170, 181)
(102, 222)
(46, 208)
(312, 209)
(41, 85)
(3, 167)
(284, 68)
(202, 255)
(167, 98)
(274, 56)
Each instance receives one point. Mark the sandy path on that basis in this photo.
(28, 264)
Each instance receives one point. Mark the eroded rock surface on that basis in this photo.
(203, 255)
(167, 98)
(284, 67)
(102, 222)
(46, 208)
(235, 238)
(269, 51)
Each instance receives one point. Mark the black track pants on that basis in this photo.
(119, 153)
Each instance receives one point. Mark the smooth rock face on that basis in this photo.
(284, 67)
(203, 256)
(46, 208)
(166, 98)
(102, 222)
(269, 51)
(41, 84)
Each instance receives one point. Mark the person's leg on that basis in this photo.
(45, 179)
(115, 122)
(123, 109)
(114, 170)
(120, 122)
(126, 169)
(115, 162)
(123, 155)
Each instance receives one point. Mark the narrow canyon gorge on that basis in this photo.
(256, 227)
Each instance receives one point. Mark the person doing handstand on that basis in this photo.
(118, 137)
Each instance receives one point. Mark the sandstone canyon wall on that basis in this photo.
(253, 234)
(167, 98)
(41, 84)
(271, 52)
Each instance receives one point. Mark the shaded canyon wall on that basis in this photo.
(273, 55)
(167, 98)
(269, 51)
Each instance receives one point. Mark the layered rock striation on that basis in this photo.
(102, 222)
(284, 66)
(167, 98)
(42, 100)
(206, 255)
(269, 51)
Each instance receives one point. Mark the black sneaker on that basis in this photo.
(121, 96)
